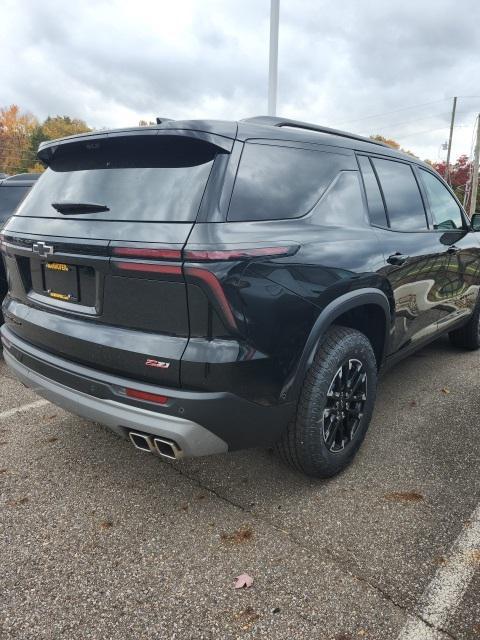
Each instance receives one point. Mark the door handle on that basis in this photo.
(453, 249)
(397, 258)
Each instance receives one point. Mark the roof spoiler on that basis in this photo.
(47, 149)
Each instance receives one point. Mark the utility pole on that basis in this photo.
(452, 123)
(474, 187)
(273, 60)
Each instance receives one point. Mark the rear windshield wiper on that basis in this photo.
(79, 207)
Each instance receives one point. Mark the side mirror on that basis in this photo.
(475, 222)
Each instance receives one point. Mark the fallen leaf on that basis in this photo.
(404, 496)
(237, 537)
(445, 390)
(16, 503)
(243, 580)
(52, 439)
(248, 616)
(413, 403)
(106, 524)
(475, 557)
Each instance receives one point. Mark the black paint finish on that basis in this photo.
(248, 326)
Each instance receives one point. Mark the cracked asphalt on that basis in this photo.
(100, 541)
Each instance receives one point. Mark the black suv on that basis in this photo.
(206, 286)
(12, 191)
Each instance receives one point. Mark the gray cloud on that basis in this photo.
(115, 62)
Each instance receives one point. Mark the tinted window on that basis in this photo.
(276, 182)
(342, 204)
(402, 197)
(10, 197)
(147, 178)
(376, 209)
(445, 211)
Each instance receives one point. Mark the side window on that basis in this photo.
(404, 203)
(10, 198)
(376, 209)
(445, 211)
(342, 204)
(275, 182)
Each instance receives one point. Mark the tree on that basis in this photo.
(50, 129)
(392, 143)
(16, 129)
(389, 141)
(460, 174)
(62, 126)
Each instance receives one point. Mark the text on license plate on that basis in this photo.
(57, 266)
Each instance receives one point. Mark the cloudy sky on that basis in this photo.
(369, 66)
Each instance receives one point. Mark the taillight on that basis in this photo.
(148, 267)
(216, 288)
(202, 273)
(145, 395)
(148, 253)
(220, 255)
(153, 254)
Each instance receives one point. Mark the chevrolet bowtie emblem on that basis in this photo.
(43, 249)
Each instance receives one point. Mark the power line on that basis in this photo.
(386, 113)
(418, 133)
(434, 115)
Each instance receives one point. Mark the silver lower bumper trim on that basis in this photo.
(192, 438)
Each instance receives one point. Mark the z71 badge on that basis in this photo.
(157, 363)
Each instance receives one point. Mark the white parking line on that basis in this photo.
(446, 590)
(23, 407)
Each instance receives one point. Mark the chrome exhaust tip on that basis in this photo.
(142, 442)
(167, 449)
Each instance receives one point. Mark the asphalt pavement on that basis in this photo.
(101, 541)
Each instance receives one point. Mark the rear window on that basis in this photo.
(139, 178)
(275, 182)
(10, 197)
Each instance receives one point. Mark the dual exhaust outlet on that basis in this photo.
(162, 447)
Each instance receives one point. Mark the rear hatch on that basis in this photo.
(94, 253)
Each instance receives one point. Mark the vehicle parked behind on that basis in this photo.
(12, 191)
(205, 286)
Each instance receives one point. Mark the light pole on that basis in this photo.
(452, 124)
(476, 160)
(273, 59)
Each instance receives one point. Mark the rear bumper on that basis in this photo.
(200, 423)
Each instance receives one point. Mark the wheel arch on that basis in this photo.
(351, 310)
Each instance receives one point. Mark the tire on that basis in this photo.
(468, 336)
(307, 444)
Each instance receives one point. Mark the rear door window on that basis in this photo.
(138, 178)
(342, 204)
(445, 211)
(10, 198)
(404, 203)
(275, 182)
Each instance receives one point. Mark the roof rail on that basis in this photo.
(274, 121)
